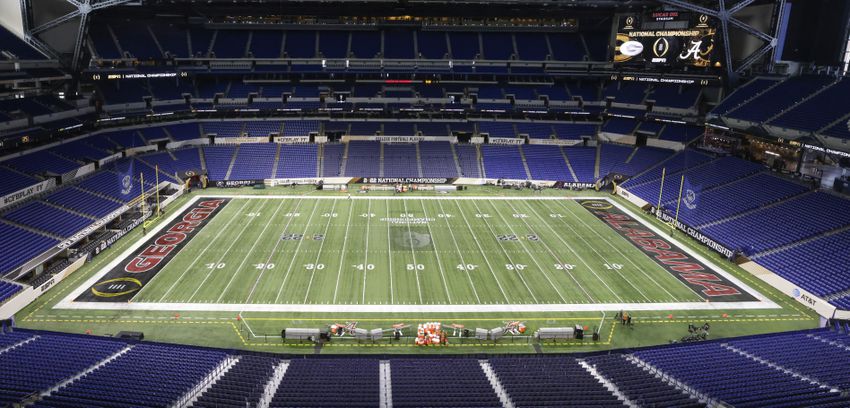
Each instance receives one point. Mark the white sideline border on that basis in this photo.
(69, 303)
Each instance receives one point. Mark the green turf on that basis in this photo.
(577, 238)
(410, 251)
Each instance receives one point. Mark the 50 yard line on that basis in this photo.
(436, 253)
(413, 252)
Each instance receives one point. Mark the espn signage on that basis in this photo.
(665, 38)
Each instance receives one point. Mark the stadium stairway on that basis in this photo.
(480, 161)
(31, 229)
(596, 165)
(87, 371)
(418, 159)
(753, 96)
(569, 166)
(381, 159)
(748, 212)
(232, 162)
(524, 163)
(70, 210)
(270, 389)
(497, 385)
(457, 162)
(802, 101)
(803, 241)
(610, 385)
(668, 379)
(343, 163)
(276, 160)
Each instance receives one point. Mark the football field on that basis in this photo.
(394, 254)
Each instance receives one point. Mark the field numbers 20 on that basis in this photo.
(264, 266)
(564, 267)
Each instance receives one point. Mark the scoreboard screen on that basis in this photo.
(665, 38)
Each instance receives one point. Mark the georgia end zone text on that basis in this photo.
(124, 280)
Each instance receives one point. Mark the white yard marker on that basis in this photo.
(251, 251)
(223, 255)
(568, 246)
(295, 254)
(635, 265)
(200, 254)
(593, 248)
(322, 245)
(341, 254)
(390, 253)
(504, 251)
(436, 253)
(366, 252)
(481, 250)
(555, 255)
(459, 252)
(413, 251)
(522, 243)
(274, 251)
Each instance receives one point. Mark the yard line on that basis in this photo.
(459, 252)
(522, 243)
(274, 251)
(200, 254)
(635, 265)
(579, 256)
(483, 254)
(593, 248)
(222, 257)
(322, 245)
(556, 256)
(413, 251)
(504, 251)
(251, 251)
(295, 254)
(366, 253)
(390, 253)
(341, 254)
(436, 253)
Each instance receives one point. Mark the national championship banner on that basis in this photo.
(122, 282)
(693, 233)
(27, 192)
(669, 38)
(404, 180)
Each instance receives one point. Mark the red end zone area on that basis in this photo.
(124, 280)
(692, 272)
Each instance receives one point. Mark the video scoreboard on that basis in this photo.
(665, 38)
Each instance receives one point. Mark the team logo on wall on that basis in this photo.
(690, 199)
(126, 185)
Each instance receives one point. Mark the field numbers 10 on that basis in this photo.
(613, 266)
